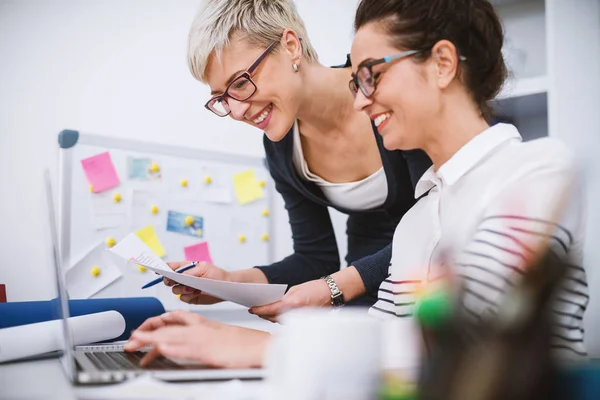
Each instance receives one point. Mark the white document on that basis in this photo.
(81, 283)
(246, 294)
(106, 213)
(44, 337)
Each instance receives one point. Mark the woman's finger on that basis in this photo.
(182, 289)
(152, 324)
(182, 317)
(149, 357)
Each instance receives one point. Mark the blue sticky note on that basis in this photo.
(140, 169)
(185, 224)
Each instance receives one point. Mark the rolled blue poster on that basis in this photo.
(135, 310)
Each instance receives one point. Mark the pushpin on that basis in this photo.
(207, 180)
(184, 182)
(189, 220)
(265, 237)
(154, 209)
(96, 271)
(178, 296)
(142, 269)
(265, 212)
(117, 197)
(262, 183)
(110, 241)
(242, 238)
(91, 188)
(154, 167)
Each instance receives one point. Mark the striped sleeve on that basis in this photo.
(539, 211)
(395, 298)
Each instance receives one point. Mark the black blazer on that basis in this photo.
(369, 232)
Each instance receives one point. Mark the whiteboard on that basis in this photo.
(87, 219)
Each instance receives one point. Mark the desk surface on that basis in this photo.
(45, 379)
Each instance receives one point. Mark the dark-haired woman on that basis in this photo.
(423, 72)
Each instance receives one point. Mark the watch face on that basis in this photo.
(337, 300)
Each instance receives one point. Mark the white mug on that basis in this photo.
(321, 353)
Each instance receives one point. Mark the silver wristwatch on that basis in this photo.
(337, 297)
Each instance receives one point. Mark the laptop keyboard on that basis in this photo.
(125, 361)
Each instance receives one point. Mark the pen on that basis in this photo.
(159, 280)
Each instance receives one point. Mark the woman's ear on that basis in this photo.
(292, 45)
(446, 61)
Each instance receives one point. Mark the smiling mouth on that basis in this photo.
(257, 119)
(381, 118)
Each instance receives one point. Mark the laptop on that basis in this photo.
(108, 362)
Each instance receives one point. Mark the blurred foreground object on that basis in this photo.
(504, 355)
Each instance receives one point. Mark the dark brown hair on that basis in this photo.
(471, 25)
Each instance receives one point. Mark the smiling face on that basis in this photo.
(274, 105)
(407, 99)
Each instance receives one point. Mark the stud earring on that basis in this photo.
(295, 66)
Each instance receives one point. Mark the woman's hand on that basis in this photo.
(202, 270)
(309, 294)
(185, 335)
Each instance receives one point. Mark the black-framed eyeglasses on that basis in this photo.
(365, 80)
(240, 89)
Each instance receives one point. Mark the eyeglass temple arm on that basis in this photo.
(410, 53)
(261, 57)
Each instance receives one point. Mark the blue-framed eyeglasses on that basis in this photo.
(366, 80)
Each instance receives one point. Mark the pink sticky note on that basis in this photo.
(100, 172)
(198, 252)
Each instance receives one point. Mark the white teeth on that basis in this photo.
(380, 118)
(263, 115)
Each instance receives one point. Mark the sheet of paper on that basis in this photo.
(100, 172)
(247, 188)
(140, 206)
(246, 294)
(198, 252)
(148, 236)
(132, 247)
(218, 196)
(105, 212)
(80, 279)
(186, 224)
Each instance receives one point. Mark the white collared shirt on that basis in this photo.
(488, 206)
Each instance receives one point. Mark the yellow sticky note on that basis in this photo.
(148, 236)
(247, 188)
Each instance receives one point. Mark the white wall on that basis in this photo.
(117, 68)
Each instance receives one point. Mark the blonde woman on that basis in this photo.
(258, 61)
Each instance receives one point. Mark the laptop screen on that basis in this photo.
(61, 303)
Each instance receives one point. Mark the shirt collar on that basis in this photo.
(467, 157)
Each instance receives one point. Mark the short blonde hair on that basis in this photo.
(260, 22)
